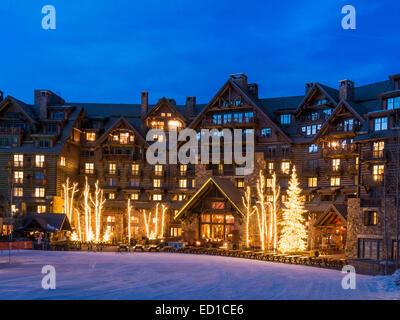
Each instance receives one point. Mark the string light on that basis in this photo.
(249, 212)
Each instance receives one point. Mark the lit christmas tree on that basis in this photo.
(293, 232)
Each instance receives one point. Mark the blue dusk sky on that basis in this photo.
(110, 51)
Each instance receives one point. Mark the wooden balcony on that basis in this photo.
(232, 122)
(120, 157)
(278, 155)
(26, 165)
(342, 130)
(335, 171)
(373, 180)
(347, 150)
(11, 131)
(373, 155)
(37, 182)
(307, 171)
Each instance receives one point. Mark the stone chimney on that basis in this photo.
(190, 107)
(145, 104)
(347, 89)
(42, 98)
(172, 102)
(240, 79)
(1, 96)
(252, 88)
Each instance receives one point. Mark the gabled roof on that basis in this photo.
(349, 105)
(331, 94)
(113, 123)
(225, 186)
(162, 102)
(47, 222)
(248, 98)
(337, 209)
(26, 109)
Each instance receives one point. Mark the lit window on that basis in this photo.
(393, 103)
(271, 167)
(135, 168)
(158, 137)
(183, 169)
(111, 196)
(377, 172)
(266, 132)
(285, 119)
(313, 148)
(157, 197)
(18, 192)
(335, 181)
(182, 183)
(90, 136)
(157, 125)
(157, 183)
(18, 160)
(335, 164)
(62, 161)
(124, 138)
(134, 196)
(41, 209)
(39, 160)
(89, 167)
(14, 209)
(112, 168)
(176, 232)
(39, 192)
(181, 197)
(162, 114)
(111, 219)
(377, 149)
(322, 101)
(285, 167)
(381, 124)
(168, 114)
(312, 182)
(158, 170)
(18, 176)
(370, 218)
(240, 183)
(174, 124)
(269, 183)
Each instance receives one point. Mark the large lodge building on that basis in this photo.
(343, 142)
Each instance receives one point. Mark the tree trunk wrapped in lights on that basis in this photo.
(276, 191)
(262, 210)
(129, 208)
(97, 203)
(246, 199)
(164, 209)
(293, 232)
(147, 220)
(69, 195)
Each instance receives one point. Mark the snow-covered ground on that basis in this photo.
(83, 275)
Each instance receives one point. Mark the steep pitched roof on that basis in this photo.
(339, 209)
(330, 93)
(224, 186)
(26, 109)
(48, 222)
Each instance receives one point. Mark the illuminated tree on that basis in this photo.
(147, 220)
(262, 210)
(97, 203)
(129, 208)
(249, 211)
(293, 232)
(164, 209)
(88, 212)
(69, 195)
(276, 190)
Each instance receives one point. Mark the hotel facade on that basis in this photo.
(344, 143)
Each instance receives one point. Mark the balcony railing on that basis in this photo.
(373, 180)
(307, 171)
(343, 129)
(271, 155)
(121, 157)
(232, 122)
(11, 131)
(26, 164)
(337, 170)
(377, 155)
(339, 150)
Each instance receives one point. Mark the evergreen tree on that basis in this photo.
(293, 234)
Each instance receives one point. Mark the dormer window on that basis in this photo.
(322, 101)
(51, 128)
(285, 119)
(393, 103)
(266, 132)
(381, 124)
(157, 125)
